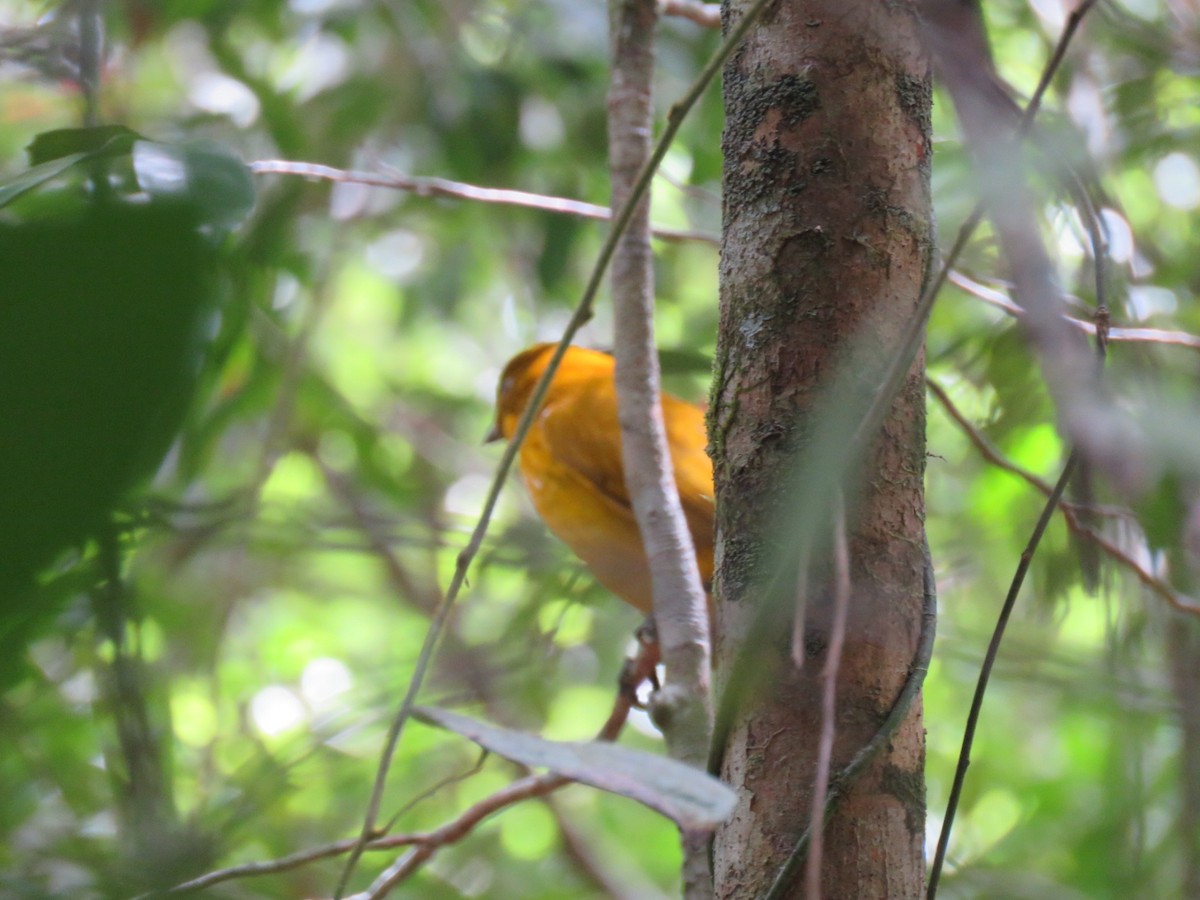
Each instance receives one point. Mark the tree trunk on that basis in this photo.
(827, 237)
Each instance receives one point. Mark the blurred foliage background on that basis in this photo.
(286, 558)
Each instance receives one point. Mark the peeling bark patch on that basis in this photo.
(752, 327)
(761, 173)
(800, 260)
(792, 97)
(909, 788)
(742, 562)
(820, 165)
(916, 100)
(757, 116)
(915, 96)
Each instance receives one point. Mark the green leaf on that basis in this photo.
(52, 153)
(691, 798)
(52, 145)
(12, 188)
(104, 324)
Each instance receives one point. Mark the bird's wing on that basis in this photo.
(581, 433)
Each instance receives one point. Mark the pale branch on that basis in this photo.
(680, 605)
(458, 190)
(705, 14)
(441, 187)
(1117, 335)
(1072, 513)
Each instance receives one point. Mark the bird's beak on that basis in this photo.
(494, 434)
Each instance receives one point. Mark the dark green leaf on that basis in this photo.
(109, 139)
(14, 187)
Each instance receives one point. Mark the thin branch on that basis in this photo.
(458, 190)
(1119, 335)
(526, 788)
(1181, 602)
(683, 706)
(992, 454)
(425, 842)
(1071, 512)
(453, 832)
(706, 14)
(1010, 600)
(833, 662)
(436, 788)
(283, 864)
(985, 672)
(956, 33)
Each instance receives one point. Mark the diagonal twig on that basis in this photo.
(993, 650)
(985, 672)
(1071, 512)
(532, 786)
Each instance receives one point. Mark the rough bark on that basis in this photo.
(827, 236)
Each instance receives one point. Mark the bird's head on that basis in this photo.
(517, 381)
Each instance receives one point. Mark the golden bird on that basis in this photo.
(571, 464)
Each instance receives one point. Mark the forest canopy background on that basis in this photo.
(326, 478)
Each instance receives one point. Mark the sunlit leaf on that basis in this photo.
(688, 796)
